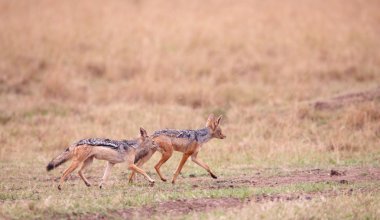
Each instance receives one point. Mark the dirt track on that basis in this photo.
(298, 176)
(342, 176)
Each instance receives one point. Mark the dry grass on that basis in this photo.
(360, 206)
(72, 69)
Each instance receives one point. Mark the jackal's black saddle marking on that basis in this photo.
(116, 144)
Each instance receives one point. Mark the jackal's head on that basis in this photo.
(145, 141)
(213, 123)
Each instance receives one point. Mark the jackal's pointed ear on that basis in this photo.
(218, 121)
(143, 133)
(210, 121)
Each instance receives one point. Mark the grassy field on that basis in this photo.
(297, 83)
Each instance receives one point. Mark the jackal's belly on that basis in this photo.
(111, 155)
(181, 144)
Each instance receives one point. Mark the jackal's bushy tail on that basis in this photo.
(60, 159)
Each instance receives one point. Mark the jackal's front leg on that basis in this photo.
(132, 175)
(134, 168)
(195, 159)
(106, 173)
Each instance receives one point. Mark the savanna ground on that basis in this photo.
(297, 82)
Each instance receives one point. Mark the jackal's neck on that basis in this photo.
(203, 135)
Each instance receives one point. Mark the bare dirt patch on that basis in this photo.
(298, 176)
(182, 207)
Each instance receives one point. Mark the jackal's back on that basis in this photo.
(199, 135)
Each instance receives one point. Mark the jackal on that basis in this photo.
(84, 151)
(188, 142)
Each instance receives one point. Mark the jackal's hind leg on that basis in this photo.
(165, 157)
(69, 170)
(86, 164)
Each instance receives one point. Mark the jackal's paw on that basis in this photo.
(88, 184)
(151, 183)
(213, 176)
(100, 186)
(173, 182)
(59, 187)
(163, 179)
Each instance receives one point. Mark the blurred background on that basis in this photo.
(75, 69)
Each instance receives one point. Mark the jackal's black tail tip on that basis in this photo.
(49, 167)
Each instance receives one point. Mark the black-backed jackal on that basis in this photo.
(188, 142)
(83, 152)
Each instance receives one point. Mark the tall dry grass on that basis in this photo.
(194, 54)
(71, 69)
